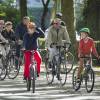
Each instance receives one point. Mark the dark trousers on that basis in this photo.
(18, 47)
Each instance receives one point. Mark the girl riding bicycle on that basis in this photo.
(30, 43)
(86, 48)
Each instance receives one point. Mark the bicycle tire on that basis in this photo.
(12, 71)
(49, 73)
(3, 73)
(33, 77)
(76, 86)
(28, 81)
(33, 85)
(69, 61)
(63, 73)
(3, 69)
(92, 76)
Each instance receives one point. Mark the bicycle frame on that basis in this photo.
(87, 63)
(33, 64)
(85, 74)
(32, 72)
(59, 58)
(60, 49)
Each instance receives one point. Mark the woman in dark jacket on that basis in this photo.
(30, 43)
(9, 35)
(8, 32)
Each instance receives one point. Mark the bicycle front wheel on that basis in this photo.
(33, 76)
(76, 85)
(69, 61)
(3, 72)
(49, 72)
(28, 81)
(63, 73)
(3, 69)
(12, 71)
(89, 80)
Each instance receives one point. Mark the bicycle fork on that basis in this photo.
(33, 71)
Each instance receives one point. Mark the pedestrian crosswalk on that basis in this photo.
(16, 90)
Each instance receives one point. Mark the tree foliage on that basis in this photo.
(8, 11)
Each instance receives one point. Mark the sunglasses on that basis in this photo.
(55, 23)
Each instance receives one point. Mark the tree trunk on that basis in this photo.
(23, 8)
(45, 10)
(92, 18)
(68, 17)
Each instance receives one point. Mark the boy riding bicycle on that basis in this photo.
(86, 49)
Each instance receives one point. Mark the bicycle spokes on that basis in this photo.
(63, 73)
(89, 81)
(75, 81)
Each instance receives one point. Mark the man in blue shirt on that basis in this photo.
(21, 29)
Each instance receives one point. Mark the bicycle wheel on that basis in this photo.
(33, 84)
(3, 69)
(63, 72)
(69, 61)
(33, 76)
(12, 71)
(28, 81)
(49, 72)
(89, 80)
(76, 85)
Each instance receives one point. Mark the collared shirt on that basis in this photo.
(86, 48)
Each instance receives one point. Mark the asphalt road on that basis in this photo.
(16, 90)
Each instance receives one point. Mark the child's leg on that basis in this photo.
(38, 59)
(80, 69)
(27, 56)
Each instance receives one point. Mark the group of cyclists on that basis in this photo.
(27, 33)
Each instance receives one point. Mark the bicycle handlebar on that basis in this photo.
(59, 46)
(23, 50)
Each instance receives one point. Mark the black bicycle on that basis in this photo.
(32, 72)
(87, 75)
(61, 64)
